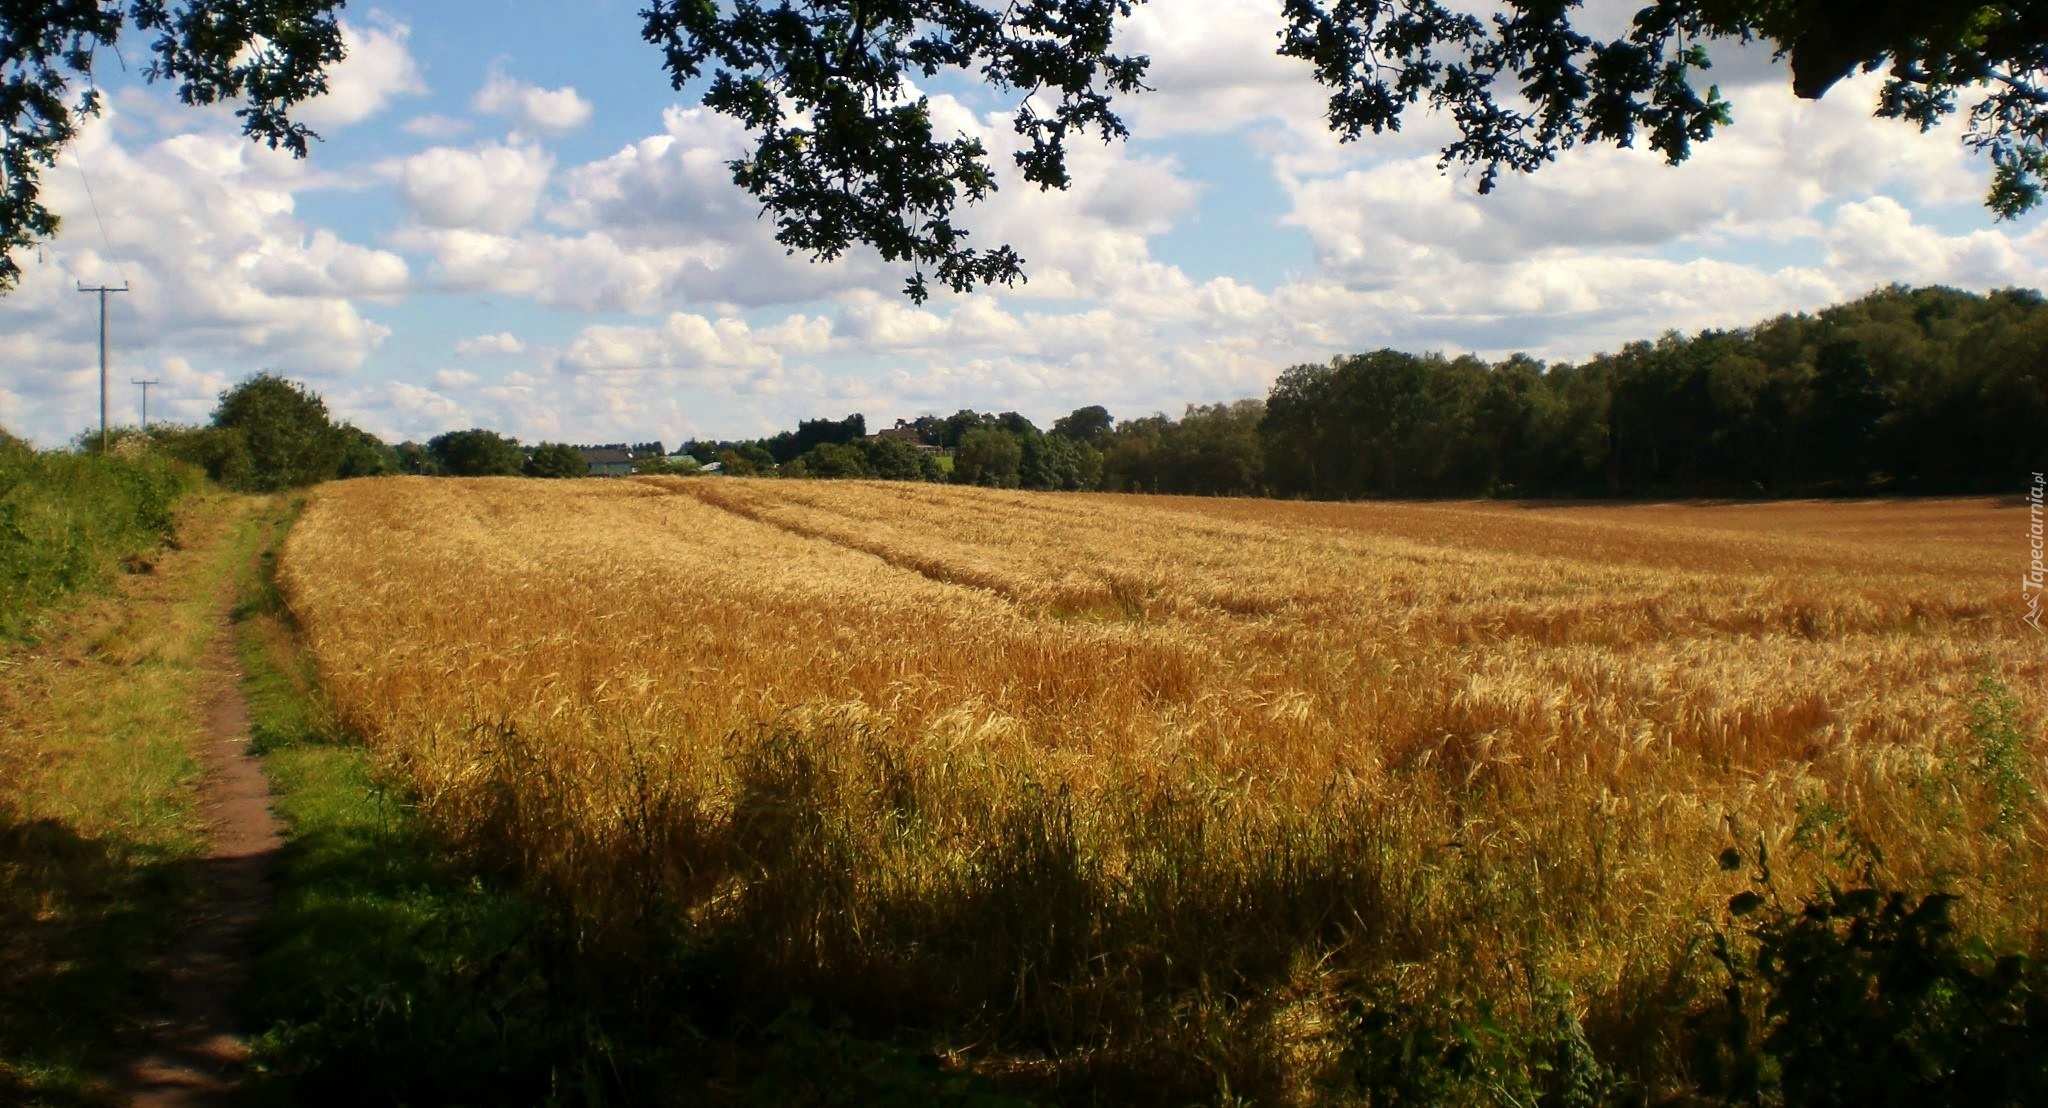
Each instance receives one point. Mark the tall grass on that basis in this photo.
(1158, 800)
(68, 519)
(102, 835)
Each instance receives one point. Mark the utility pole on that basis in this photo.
(145, 398)
(103, 290)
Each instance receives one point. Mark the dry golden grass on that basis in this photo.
(1149, 789)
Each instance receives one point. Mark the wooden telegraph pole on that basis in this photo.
(103, 290)
(145, 383)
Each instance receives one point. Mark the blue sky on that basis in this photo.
(514, 222)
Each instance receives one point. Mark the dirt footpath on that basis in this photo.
(191, 1053)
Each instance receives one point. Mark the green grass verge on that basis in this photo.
(100, 841)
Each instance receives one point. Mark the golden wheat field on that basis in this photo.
(1153, 790)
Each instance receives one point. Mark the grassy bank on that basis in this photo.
(69, 521)
(99, 839)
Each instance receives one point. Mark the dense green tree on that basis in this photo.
(1213, 450)
(1133, 461)
(733, 463)
(1015, 423)
(2011, 393)
(1905, 389)
(956, 426)
(1510, 419)
(1844, 407)
(477, 453)
(1091, 425)
(414, 459)
(1058, 463)
(1383, 402)
(895, 460)
(1291, 433)
(364, 454)
(285, 427)
(988, 456)
(835, 459)
(816, 432)
(556, 459)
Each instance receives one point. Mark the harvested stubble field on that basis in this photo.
(1161, 798)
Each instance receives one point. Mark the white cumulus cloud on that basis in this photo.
(494, 187)
(553, 110)
(503, 342)
(379, 68)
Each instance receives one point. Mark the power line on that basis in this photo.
(78, 159)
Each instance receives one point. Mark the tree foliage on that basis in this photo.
(477, 452)
(364, 454)
(556, 459)
(1091, 425)
(1904, 390)
(268, 55)
(285, 429)
(1529, 82)
(988, 456)
(268, 433)
(846, 151)
(1213, 450)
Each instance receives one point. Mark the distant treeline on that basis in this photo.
(1906, 390)
(270, 433)
(1918, 390)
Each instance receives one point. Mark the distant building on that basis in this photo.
(608, 462)
(905, 433)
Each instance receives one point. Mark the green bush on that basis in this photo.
(556, 459)
(222, 452)
(67, 519)
(1998, 766)
(1870, 996)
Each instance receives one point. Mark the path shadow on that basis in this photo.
(85, 928)
(189, 1044)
